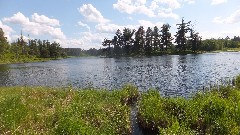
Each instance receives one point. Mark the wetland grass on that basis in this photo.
(216, 112)
(39, 110)
(44, 110)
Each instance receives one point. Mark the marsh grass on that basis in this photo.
(216, 112)
(10, 58)
(44, 110)
(41, 110)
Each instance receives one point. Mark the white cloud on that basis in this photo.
(107, 28)
(92, 14)
(35, 28)
(232, 19)
(112, 28)
(220, 34)
(147, 24)
(173, 4)
(84, 25)
(87, 40)
(17, 18)
(167, 13)
(7, 30)
(42, 19)
(216, 2)
(190, 1)
(133, 6)
(156, 8)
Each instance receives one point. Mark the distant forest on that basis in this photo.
(141, 42)
(128, 42)
(29, 49)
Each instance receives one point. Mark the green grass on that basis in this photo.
(44, 110)
(10, 58)
(39, 110)
(214, 113)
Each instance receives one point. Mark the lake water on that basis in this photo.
(171, 74)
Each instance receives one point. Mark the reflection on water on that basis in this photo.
(172, 75)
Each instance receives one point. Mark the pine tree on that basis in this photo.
(195, 41)
(155, 40)
(127, 40)
(107, 43)
(148, 45)
(139, 41)
(166, 38)
(181, 38)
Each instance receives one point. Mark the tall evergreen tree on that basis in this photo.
(33, 47)
(22, 45)
(139, 41)
(166, 38)
(117, 43)
(148, 45)
(155, 39)
(181, 38)
(195, 41)
(127, 40)
(107, 43)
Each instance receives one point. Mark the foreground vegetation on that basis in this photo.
(216, 112)
(43, 110)
(39, 110)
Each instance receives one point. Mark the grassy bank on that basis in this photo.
(214, 113)
(42, 110)
(38, 110)
(23, 59)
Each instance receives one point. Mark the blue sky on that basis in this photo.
(85, 23)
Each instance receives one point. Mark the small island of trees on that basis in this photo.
(152, 42)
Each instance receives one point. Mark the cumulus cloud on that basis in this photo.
(216, 2)
(220, 34)
(133, 6)
(173, 4)
(232, 19)
(36, 26)
(112, 28)
(189, 1)
(92, 14)
(154, 8)
(17, 18)
(107, 28)
(80, 23)
(146, 24)
(86, 40)
(42, 19)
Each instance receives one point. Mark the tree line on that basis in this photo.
(78, 52)
(155, 41)
(29, 48)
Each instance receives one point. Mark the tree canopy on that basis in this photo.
(159, 41)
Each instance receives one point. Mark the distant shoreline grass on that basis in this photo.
(25, 60)
(45, 110)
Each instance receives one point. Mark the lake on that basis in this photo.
(172, 75)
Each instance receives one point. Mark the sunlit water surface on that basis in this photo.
(172, 75)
